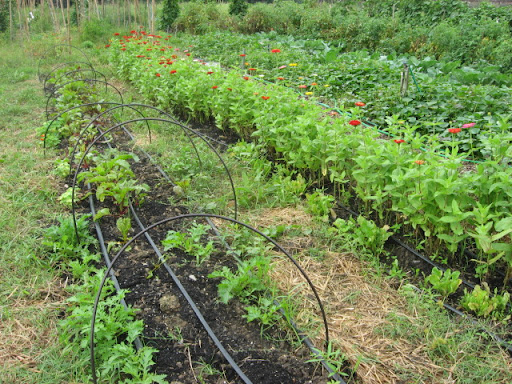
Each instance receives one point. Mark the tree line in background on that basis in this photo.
(445, 29)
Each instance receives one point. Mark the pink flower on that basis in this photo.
(303, 86)
(469, 125)
(282, 67)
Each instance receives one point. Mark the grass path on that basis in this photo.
(31, 291)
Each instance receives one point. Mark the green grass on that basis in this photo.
(31, 292)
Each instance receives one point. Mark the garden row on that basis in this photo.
(447, 29)
(447, 206)
(440, 95)
(109, 176)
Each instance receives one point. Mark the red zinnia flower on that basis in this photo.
(245, 78)
(215, 87)
(454, 130)
(355, 123)
(399, 141)
(133, 32)
(173, 71)
(108, 45)
(188, 54)
(242, 55)
(314, 84)
(360, 104)
(252, 69)
(157, 75)
(123, 49)
(229, 89)
(116, 34)
(265, 97)
(419, 162)
(275, 51)
(209, 72)
(280, 78)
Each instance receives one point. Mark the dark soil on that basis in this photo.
(186, 352)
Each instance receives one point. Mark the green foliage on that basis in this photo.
(238, 7)
(364, 232)
(170, 12)
(483, 304)
(124, 225)
(334, 358)
(114, 178)
(445, 282)
(4, 15)
(61, 240)
(115, 331)
(250, 279)
(96, 30)
(320, 205)
(190, 242)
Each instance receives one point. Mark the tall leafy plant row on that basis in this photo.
(433, 194)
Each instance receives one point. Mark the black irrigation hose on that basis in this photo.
(189, 216)
(47, 77)
(410, 249)
(504, 343)
(54, 92)
(99, 233)
(99, 137)
(52, 48)
(304, 339)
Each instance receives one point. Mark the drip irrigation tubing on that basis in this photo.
(176, 281)
(303, 338)
(198, 314)
(99, 137)
(298, 331)
(53, 94)
(505, 344)
(502, 342)
(69, 46)
(99, 233)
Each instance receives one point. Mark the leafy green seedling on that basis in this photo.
(445, 282)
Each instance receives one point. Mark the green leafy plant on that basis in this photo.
(250, 278)
(170, 13)
(320, 204)
(364, 232)
(124, 224)
(482, 303)
(190, 242)
(445, 282)
(114, 178)
(334, 358)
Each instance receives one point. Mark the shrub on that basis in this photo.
(96, 30)
(170, 13)
(238, 7)
(4, 16)
(259, 18)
